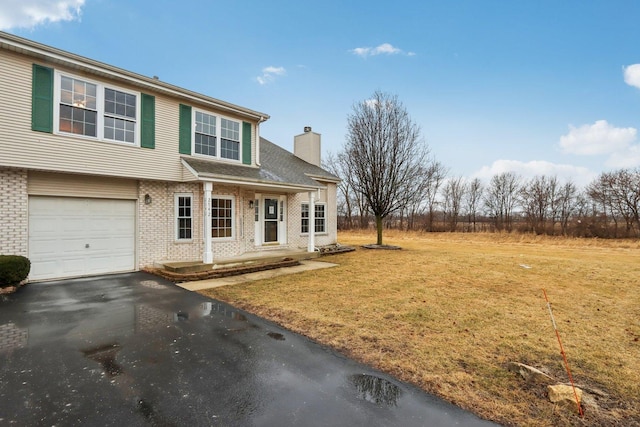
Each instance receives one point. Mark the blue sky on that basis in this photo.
(537, 87)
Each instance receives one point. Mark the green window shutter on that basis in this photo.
(148, 128)
(246, 143)
(42, 99)
(185, 129)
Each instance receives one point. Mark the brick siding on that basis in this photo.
(13, 212)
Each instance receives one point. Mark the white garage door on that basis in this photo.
(76, 236)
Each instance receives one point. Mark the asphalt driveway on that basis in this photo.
(133, 349)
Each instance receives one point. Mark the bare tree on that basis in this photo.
(501, 197)
(619, 193)
(472, 201)
(453, 193)
(434, 176)
(385, 151)
(567, 204)
(334, 164)
(538, 200)
(424, 190)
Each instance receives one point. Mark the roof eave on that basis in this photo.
(255, 183)
(324, 178)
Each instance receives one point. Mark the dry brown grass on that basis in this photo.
(450, 311)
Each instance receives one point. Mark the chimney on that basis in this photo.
(307, 146)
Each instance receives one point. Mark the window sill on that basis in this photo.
(217, 159)
(96, 139)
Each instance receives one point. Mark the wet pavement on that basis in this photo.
(134, 349)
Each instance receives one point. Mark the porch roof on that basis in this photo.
(279, 170)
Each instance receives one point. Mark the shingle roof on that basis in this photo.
(279, 167)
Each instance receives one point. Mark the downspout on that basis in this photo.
(311, 244)
(258, 140)
(207, 256)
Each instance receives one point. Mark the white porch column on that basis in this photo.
(312, 222)
(207, 257)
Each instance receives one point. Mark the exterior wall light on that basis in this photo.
(147, 199)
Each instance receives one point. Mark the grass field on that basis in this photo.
(450, 311)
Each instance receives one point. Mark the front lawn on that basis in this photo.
(450, 311)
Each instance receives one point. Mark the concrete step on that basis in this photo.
(184, 267)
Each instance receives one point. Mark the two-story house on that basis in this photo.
(104, 170)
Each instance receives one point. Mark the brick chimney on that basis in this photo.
(307, 146)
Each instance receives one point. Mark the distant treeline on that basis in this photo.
(609, 207)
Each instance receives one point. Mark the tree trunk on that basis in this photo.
(379, 228)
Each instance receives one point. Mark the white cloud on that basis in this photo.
(29, 13)
(598, 138)
(269, 74)
(632, 75)
(383, 49)
(580, 176)
(627, 158)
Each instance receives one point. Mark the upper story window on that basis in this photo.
(78, 107)
(205, 138)
(95, 110)
(119, 116)
(229, 139)
(210, 129)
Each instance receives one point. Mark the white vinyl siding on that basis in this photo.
(23, 148)
(57, 184)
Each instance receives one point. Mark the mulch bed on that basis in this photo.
(386, 247)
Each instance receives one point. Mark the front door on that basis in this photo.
(271, 220)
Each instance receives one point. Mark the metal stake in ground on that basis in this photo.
(564, 355)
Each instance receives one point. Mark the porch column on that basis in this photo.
(207, 257)
(312, 222)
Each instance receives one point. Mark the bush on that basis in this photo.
(13, 270)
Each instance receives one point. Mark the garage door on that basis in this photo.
(71, 237)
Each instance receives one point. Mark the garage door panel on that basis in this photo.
(99, 264)
(74, 237)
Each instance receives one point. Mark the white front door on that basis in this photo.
(271, 220)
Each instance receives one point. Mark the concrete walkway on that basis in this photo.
(308, 265)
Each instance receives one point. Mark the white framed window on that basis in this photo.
(216, 136)
(94, 110)
(222, 217)
(184, 216)
(205, 135)
(320, 218)
(229, 139)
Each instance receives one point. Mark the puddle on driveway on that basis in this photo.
(276, 336)
(106, 356)
(145, 408)
(208, 308)
(376, 390)
(181, 316)
(153, 284)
